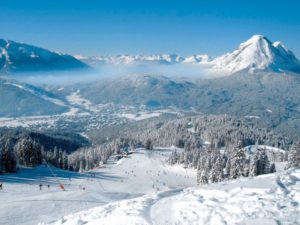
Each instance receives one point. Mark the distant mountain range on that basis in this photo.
(22, 58)
(168, 59)
(256, 54)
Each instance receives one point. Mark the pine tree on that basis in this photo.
(238, 162)
(227, 167)
(294, 157)
(263, 162)
(216, 173)
(202, 177)
(65, 160)
(260, 163)
(149, 144)
(253, 171)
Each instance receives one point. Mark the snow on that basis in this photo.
(207, 143)
(155, 58)
(252, 148)
(142, 173)
(144, 189)
(80, 57)
(71, 112)
(267, 199)
(143, 115)
(75, 99)
(26, 121)
(251, 117)
(140, 116)
(257, 53)
(192, 130)
(276, 155)
(45, 121)
(32, 91)
(131, 59)
(33, 55)
(197, 59)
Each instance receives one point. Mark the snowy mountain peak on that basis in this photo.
(279, 44)
(257, 38)
(197, 59)
(21, 58)
(258, 53)
(131, 59)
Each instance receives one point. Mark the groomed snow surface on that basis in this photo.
(144, 189)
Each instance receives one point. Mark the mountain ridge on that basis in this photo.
(22, 99)
(256, 54)
(18, 57)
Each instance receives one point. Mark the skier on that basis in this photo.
(48, 185)
(40, 187)
(62, 187)
(1, 186)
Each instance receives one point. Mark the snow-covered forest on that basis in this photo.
(214, 145)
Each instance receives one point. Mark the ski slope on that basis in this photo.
(144, 189)
(268, 199)
(141, 173)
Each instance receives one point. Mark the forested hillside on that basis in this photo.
(19, 147)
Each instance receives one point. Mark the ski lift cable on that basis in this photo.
(50, 169)
(53, 174)
(98, 181)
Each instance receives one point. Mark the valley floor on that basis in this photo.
(144, 189)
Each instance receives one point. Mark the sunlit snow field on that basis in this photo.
(144, 189)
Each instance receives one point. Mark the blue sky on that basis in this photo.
(98, 27)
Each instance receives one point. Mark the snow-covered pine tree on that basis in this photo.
(148, 144)
(8, 158)
(263, 162)
(202, 177)
(227, 167)
(294, 156)
(260, 163)
(238, 161)
(65, 160)
(253, 170)
(173, 159)
(216, 172)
